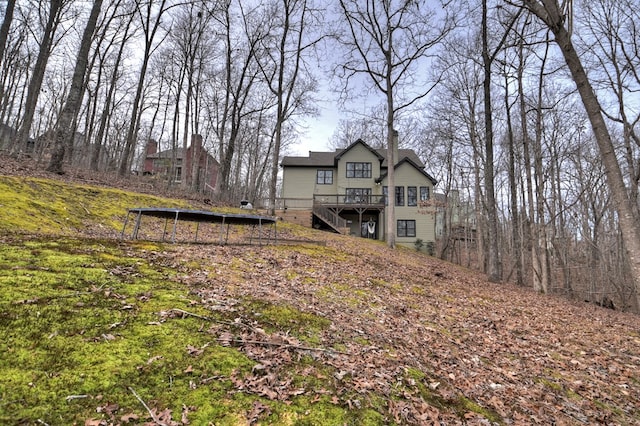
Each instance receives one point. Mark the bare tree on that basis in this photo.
(370, 127)
(235, 89)
(6, 24)
(180, 67)
(559, 21)
(282, 63)
(35, 83)
(494, 271)
(150, 23)
(454, 141)
(513, 182)
(64, 132)
(121, 35)
(14, 72)
(386, 42)
(610, 36)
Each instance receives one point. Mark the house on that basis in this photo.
(7, 135)
(7, 138)
(455, 218)
(174, 165)
(346, 191)
(45, 144)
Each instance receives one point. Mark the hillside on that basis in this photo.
(336, 330)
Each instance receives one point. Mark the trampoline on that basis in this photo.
(255, 222)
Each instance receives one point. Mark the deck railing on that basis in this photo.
(287, 203)
(350, 200)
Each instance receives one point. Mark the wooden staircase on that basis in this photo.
(331, 218)
(305, 218)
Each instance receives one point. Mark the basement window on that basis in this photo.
(406, 228)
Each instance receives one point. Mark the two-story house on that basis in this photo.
(178, 165)
(346, 191)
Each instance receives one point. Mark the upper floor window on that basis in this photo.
(358, 170)
(324, 177)
(412, 196)
(399, 195)
(385, 194)
(424, 193)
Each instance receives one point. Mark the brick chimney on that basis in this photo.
(151, 148)
(395, 148)
(194, 155)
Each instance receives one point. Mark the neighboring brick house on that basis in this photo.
(346, 191)
(160, 164)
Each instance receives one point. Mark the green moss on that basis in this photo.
(549, 384)
(77, 328)
(51, 207)
(378, 282)
(318, 251)
(415, 374)
(290, 274)
(361, 341)
(467, 405)
(418, 290)
(305, 326)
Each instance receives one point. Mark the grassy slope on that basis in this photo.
(95, 330)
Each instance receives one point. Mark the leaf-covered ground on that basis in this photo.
(437, 342)
(338, 330)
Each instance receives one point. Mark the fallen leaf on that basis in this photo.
(129, 417)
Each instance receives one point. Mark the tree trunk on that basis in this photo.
(513, 189)
(6, 24)
(494, 271)
(540, 258)
(132, 132)
(33, 91)
(64, 132)
(550, 13)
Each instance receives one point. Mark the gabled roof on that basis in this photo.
(402, 153)
(315, 159)
(418, 167)
(168, 153)
(360, 142)
(329, 159)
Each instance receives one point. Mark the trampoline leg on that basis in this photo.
(253, 228)
(221, 231)
(164, 231)
(126, 220)
(175, 225)
(134, 235)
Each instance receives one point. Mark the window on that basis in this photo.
(406, 228)
(358, 195)
(324, 177)
(424, 193)
(412, 196)
(359, 170)
(399, 195)
(178, 174)
(385, 193)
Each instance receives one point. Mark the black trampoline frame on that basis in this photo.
(202, 216)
